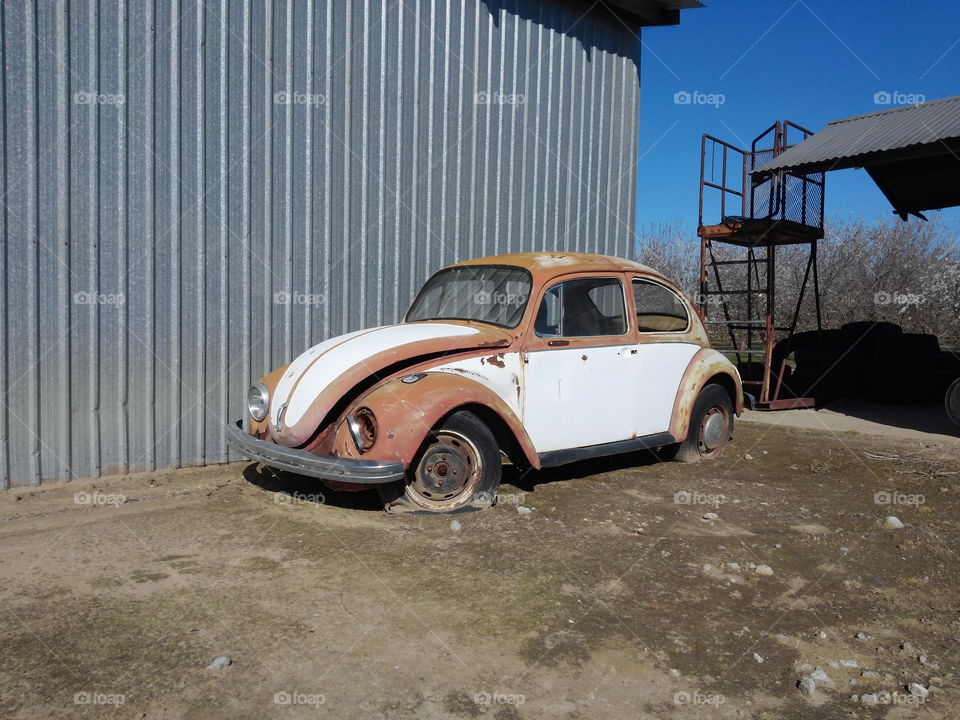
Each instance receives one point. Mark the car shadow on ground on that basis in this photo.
(291, 488)
(527, 479)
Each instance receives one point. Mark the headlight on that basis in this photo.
(258, 401)
(363, 428)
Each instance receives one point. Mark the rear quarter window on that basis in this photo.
(658, 308)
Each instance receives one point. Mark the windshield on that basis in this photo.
(484, 293)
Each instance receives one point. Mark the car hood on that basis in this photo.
(320, 377)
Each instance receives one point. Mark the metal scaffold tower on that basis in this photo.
(738, 256)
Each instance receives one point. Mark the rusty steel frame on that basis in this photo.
(809, 229)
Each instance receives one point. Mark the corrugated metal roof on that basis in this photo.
(848, 142)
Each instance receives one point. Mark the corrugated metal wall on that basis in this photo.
(193, 193)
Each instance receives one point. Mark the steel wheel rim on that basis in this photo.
(713, 430)
(449, 472)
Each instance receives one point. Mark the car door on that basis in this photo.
(665, 347)
(580, 365)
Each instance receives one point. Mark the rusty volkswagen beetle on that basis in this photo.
(544, 358)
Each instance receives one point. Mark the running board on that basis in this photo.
(562, 457)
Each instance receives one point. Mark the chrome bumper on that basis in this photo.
(349, 470)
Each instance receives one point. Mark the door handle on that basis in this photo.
(555, 343)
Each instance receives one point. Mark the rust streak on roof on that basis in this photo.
(563, 263)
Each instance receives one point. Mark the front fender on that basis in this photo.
(406, 412)
(261, 428)
(706, 365)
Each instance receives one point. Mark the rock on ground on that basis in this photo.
(220, 663)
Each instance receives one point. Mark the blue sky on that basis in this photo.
(809, 61)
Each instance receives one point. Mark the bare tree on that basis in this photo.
(670, 249)
(907, 273)
(888, 270)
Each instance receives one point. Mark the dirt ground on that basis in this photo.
(117, 595)
(927, 421)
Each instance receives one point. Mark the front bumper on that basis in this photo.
(326, 467)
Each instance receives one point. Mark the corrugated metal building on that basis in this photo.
(194, 192)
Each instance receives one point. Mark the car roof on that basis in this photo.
(549, 264)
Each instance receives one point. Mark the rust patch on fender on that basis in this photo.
(495, 360)
(420, 407)
(707, 363)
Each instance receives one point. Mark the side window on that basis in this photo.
(582, 308)
(548, 316)
(658, 308)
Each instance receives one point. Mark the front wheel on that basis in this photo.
(458, 467)
(711, 426)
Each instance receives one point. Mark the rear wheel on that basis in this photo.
(458, 467)
(711, 426)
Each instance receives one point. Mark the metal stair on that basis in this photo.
(738, 255)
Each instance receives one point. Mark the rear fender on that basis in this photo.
(706, 366)
(406, 412)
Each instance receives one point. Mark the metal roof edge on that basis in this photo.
(646, 13)
(898, 108)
